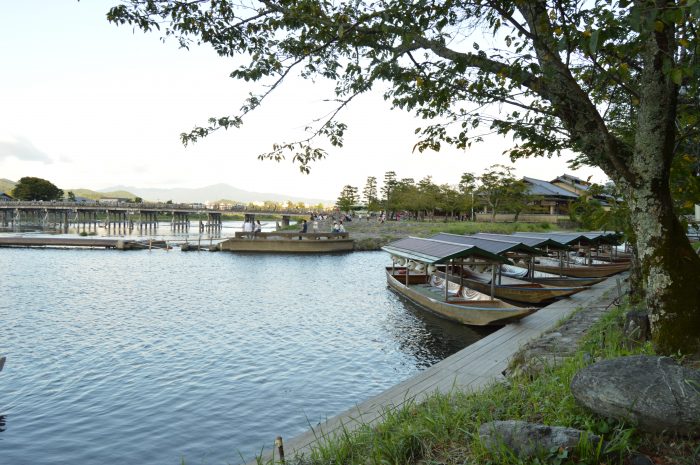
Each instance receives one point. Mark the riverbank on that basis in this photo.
(372, 235)
(441, 425)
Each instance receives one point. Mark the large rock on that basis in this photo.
(531, 439)
(655, 393)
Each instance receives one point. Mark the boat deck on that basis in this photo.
(471, 369)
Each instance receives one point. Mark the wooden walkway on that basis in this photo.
(471, 369)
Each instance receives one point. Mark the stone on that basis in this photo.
(531, 439)
(637, 326)
(654, 393)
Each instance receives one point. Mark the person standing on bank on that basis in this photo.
(304, 226)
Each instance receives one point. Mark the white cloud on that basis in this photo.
(22, 149)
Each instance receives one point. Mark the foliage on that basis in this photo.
(348, 197)
(369, 193)
(70, 196)
(30, 188)
(616, 83)
(501, 191)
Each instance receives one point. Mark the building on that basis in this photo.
(549, 197)
(5, 197)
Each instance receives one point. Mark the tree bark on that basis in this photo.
(669, 265)
(671, 270)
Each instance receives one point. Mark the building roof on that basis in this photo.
(571, 179)
(5, 196)
(432, 251)
(547, 189)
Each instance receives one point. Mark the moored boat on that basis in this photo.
(417, 282)
(582, 271)
(513, 289)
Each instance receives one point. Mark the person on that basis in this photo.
(304, 227)
(247, 227)
(335, 228)
(314, 227)
(341, 228)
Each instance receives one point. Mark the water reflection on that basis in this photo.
(429, 337)
(3, 423)
(147, 357)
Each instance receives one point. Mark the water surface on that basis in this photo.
(151, 356)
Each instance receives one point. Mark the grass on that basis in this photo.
(444, 428)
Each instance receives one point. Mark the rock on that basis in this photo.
(637, 326)
(639, 459)
(655, 393)
(531, 439)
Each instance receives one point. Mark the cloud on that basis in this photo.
(22, 149)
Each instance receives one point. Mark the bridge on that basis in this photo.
(118, 215)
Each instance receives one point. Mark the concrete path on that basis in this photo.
(471, 369)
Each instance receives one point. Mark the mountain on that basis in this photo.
(6, 186)
(212, 193)
(94, 195)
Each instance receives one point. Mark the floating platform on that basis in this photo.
(288, 242)
(119, 244)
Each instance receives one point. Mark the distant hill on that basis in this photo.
(198, 195)
(212, 193)
(7, 186)
(94, 195)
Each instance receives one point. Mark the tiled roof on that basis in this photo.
(547, 189)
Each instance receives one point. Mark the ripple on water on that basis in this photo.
(146, 357)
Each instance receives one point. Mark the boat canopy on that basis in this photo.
(536, 242)
(564, 238)
(578, 238)
(498, 247)
(433, 251)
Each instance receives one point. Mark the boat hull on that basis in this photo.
(287, 245)
(531, 293)
(564, 281)
(590, 271)
(475, 313)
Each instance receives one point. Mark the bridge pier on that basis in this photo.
(148, 220)
(213, 225)
(180, 221)
(285, 221)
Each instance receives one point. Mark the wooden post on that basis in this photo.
(493, 280)
(279, 445)
(447, 280)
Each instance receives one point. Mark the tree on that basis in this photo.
(389, 185)
(30, 188)
(501, 191)
(138, 199)
(467, 188)
(370, 194)
(71, 196)
(615, 82)
(347, 198)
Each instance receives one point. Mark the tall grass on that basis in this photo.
(444, 428)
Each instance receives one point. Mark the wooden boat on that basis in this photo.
(512, 289)
(582, 271)
(459, 307)
(288, 242)
(548, 279)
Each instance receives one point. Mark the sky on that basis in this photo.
(87, 104)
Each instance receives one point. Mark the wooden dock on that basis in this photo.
(119, 244)
(471, 369)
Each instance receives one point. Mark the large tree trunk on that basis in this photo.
(670, 268)
(671, 272)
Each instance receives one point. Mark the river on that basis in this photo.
(155, 356)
